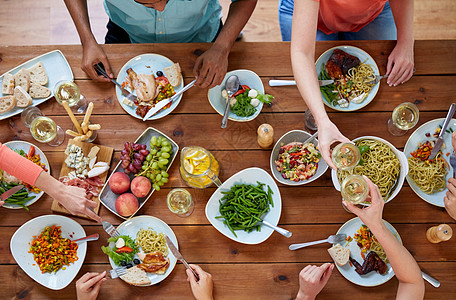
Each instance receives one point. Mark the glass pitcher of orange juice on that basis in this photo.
(198, 167)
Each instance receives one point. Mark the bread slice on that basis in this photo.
(136, 276)
(38, 74)
(22, 79)
(339, 254)
(39, 91)
(8, 84)
(7, 103)
(173, 73)
(23, 99)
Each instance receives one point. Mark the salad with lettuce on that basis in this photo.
(124, 249)
(245, 100)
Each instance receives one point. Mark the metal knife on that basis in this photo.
(179, 256)
(274, 82)
(434, 282)
(311, 138)
(11, 192)
(165, 102)
(439, 142)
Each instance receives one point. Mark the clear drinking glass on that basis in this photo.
(69, 91)
(180, 202)
(42, 128)
(310, 121)
(405, 116)
(346, 156)
(354, 189)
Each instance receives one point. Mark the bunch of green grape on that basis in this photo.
(154, 167)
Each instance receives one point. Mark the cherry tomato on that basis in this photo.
(162, 80)
(31, 151)
(124, 249)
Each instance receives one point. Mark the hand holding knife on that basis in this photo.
(179, 256)
(439, 142)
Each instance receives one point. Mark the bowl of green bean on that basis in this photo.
(238, 207)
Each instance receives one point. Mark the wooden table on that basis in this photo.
(311, 212)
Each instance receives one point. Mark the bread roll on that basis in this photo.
(8, 84)
(339, 254)
(173, 73)
(7, 103)
(136, 276)
(23, 99)
(39, 91)
(22, 79)
(38, 74)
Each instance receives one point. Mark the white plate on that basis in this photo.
(148, 63)
(289, 137)
(372, 278)
(246, 77)
(364, 58)
(132, 226)
(418, 136)
(402, 160)
(20, 246)
(22, 145)
(246, 176)
(57, 68)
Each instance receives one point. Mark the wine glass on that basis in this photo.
(180, 202)
(42, 128)
(69, 91)
(405, 116)
(346, 156)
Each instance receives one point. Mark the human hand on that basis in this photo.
(92, 55)
(312, 280)
(201, 289)
(453, 140)
(371, 215)
(1, 203)
(400, 64)
(327, 135)
(210, 67)
(88, 286)
(74, 199)
(450, 198)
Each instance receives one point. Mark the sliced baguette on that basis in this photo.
(136, 276)
(23, 99)
(8, 84)
(7, 103)
(39, 91)
(38, 74)
(339, 254)
(22, 79)
(173, 73)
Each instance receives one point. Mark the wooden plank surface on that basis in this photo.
(311, 212)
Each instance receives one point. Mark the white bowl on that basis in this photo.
(289, 137)
(246, 176)
(20, 246)
(402, 160)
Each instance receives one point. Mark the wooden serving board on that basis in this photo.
(104, 154)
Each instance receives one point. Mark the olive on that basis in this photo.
(159, 73)
(136, 261)
(123, 263)
(129, 266)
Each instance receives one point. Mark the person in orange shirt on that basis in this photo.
(450, 198)
(72, 198)
(328, 19)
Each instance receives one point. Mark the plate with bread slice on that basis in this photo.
(367, 265)
(151, 78)
(32, 82)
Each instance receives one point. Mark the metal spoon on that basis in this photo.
(280, 230)
(89, 238)
(231, 86)
(331, 239)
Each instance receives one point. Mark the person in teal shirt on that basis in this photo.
(165, 21)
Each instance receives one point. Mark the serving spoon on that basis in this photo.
(333, 239)
(231, 87)
(89, 238)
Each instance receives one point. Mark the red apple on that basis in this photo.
(126, 204)
(140, 186)
(119, 183)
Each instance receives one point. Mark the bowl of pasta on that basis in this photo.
(381, 162)
(351, 68)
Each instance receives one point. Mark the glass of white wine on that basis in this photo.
(42, 128)
(354, 189)
(405, 116)
(180, 202)
(346, 156)
(69, 91)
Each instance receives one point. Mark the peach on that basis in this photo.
(140, 186)
(126, 204)
(119, 183)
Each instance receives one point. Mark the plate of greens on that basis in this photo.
(248, 100)
(245, 198)
(27, 195)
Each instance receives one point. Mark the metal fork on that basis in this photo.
(453, 163)
(110, 229)
(117, 272)
(376, 80)
(126, 93)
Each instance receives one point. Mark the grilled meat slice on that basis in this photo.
(340, 62)
(154, 262)
(372, 263)
(358, 267)
(144, 84)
